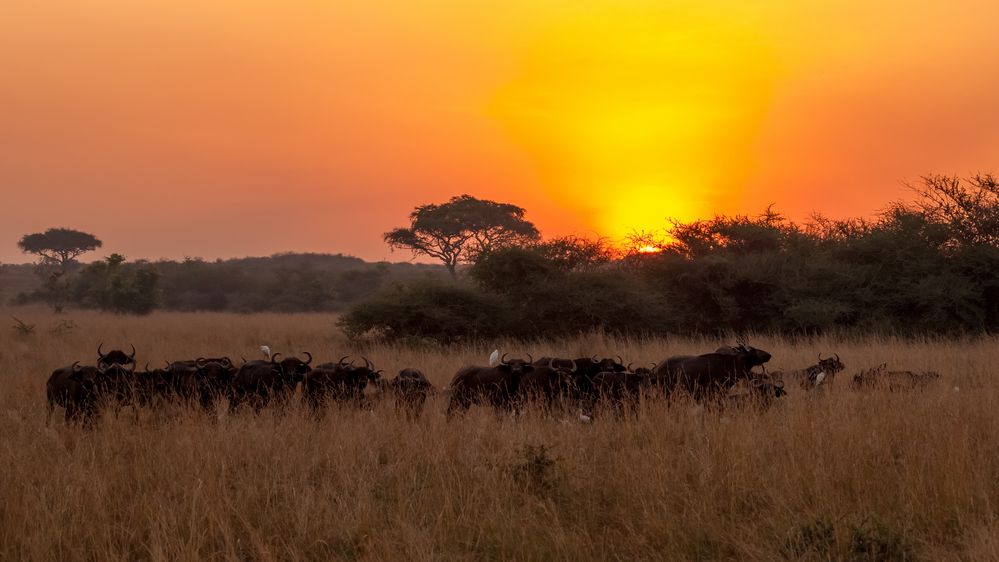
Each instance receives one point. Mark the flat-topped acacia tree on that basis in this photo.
(461, 229)
(59, 246)
(57, 249)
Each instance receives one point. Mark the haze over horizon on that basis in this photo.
(227, 129)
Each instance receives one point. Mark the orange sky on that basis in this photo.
(191, 128)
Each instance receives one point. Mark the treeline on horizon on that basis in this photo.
(929, 266)
(287, 282)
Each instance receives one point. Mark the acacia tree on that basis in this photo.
(57, 249)
(59, 246)
(461, 229)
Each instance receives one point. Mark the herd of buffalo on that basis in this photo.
(725, 376)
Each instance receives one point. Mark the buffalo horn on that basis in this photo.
(340, 361)
(573, 363)
(132, 356)
(367, 364)
(226, 362)
(529, 358)
(309, 362)
(99, 352)
(503, 360)
(820, 357)
(620, 361)
(551, 364)
(628, 368)
(76, 366)
(837, 357)
(200, 362)
(274, 357)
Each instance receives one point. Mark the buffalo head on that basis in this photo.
(115, 359)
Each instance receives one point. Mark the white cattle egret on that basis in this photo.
(820, 377)
(494, 358)
(266, 351)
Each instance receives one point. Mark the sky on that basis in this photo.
(173, 128)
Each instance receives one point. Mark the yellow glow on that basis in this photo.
(635, 115)
(649, 250)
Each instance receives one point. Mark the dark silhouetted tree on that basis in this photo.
(57, 249)
(59, 246)
(461, 229)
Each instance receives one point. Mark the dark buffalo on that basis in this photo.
(153, 387)
(708, 376)
(76, 389)
(410, 389)
(203, 381)
(496, 386)
(119, 381)
(762, 393)
(586, 369)
(620, 390)
(819, 374)
(115, 358)
(342, 381)
(546, 385)
(258, 383)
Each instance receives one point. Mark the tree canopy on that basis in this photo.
(59, 246)
(462, 229)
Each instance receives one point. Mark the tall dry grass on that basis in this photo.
(850, 476)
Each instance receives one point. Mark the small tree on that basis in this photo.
(59, 246)
(461, 229)
(57, 249)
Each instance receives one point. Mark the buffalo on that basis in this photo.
(619, 389)
(341, 381)
(547, 384)
(410, 389)
(497, 386)
(76, 389)
(202, 381)
(762, 392)
(585, 369)
(708, 376)
(259, 383)
(817, 375)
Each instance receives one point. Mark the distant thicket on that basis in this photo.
(279, 283)
(931, 266)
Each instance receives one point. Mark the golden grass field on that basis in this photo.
(848, 476)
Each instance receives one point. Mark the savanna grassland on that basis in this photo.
(845, 476)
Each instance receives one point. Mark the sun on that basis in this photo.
(637, 115)
(649, 250)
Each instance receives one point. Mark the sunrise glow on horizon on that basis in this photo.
(223, 129)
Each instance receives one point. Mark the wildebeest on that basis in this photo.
(708, 376)
(882, 379)
(814, 376)
(762, 392)
(410, 389)
(342, 381)
(259, 383)
(76, 389)
(497, 386)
